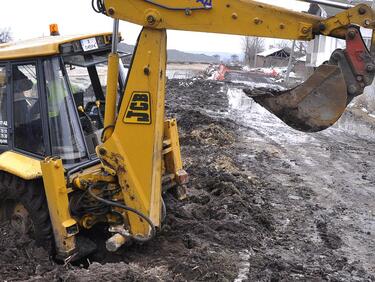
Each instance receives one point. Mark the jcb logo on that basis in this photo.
(139, 109)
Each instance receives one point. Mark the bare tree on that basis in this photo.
(252, 46)
(284, 44)
(5, 35)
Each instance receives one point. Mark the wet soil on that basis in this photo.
(265, 203)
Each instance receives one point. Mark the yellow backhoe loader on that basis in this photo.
(73, 158)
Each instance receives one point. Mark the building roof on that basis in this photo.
(302, 59)
(330, 11)
(42, 46)
(272, 51)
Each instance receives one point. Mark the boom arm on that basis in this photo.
(240, 17)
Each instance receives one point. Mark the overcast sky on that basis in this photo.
(31, 18)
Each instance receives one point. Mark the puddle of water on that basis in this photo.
(358, 127)
(238, 100)
(244, 110)
(244, 266)
(253, 84)
(181, 74)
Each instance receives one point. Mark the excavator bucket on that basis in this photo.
(312, 106)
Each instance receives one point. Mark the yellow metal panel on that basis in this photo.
(64, 226)
(361, 15)
(111, 95)
(20, 165)
(242, 17)
(173, 161)
(37, 47)
(134, 151)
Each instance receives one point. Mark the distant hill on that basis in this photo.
(224, 56)
(175, 56)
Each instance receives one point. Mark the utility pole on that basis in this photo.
(256, 52)
(290, 63)
(372, 50)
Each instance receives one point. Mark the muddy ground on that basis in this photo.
(265, 203)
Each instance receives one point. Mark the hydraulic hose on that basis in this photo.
(129, 209)
(98, 6)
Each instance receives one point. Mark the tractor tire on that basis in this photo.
(24, 203)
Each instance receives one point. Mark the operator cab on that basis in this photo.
(52, 96)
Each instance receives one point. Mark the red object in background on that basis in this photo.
(220, 75)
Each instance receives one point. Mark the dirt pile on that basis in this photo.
(265, 203)
(212, 134)
(20, 259)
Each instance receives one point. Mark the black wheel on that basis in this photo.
(24, 204)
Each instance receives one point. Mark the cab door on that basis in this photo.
(28, 134)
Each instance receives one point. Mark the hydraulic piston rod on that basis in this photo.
(111, 95)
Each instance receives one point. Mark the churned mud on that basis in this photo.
(265, 203)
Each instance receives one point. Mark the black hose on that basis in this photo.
(90, 126)
(81, 167)
(141, 215)
(101, 119)
(98, 7)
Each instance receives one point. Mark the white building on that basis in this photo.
(319, 50)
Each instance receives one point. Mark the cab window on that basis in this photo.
(28, 129)
(65, 134)
(88, 78)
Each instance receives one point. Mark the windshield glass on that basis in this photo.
(88, 79)
(65, 133)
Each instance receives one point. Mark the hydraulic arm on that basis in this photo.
(133, 144)
(310, 107)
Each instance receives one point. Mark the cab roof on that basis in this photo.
(42, 46)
